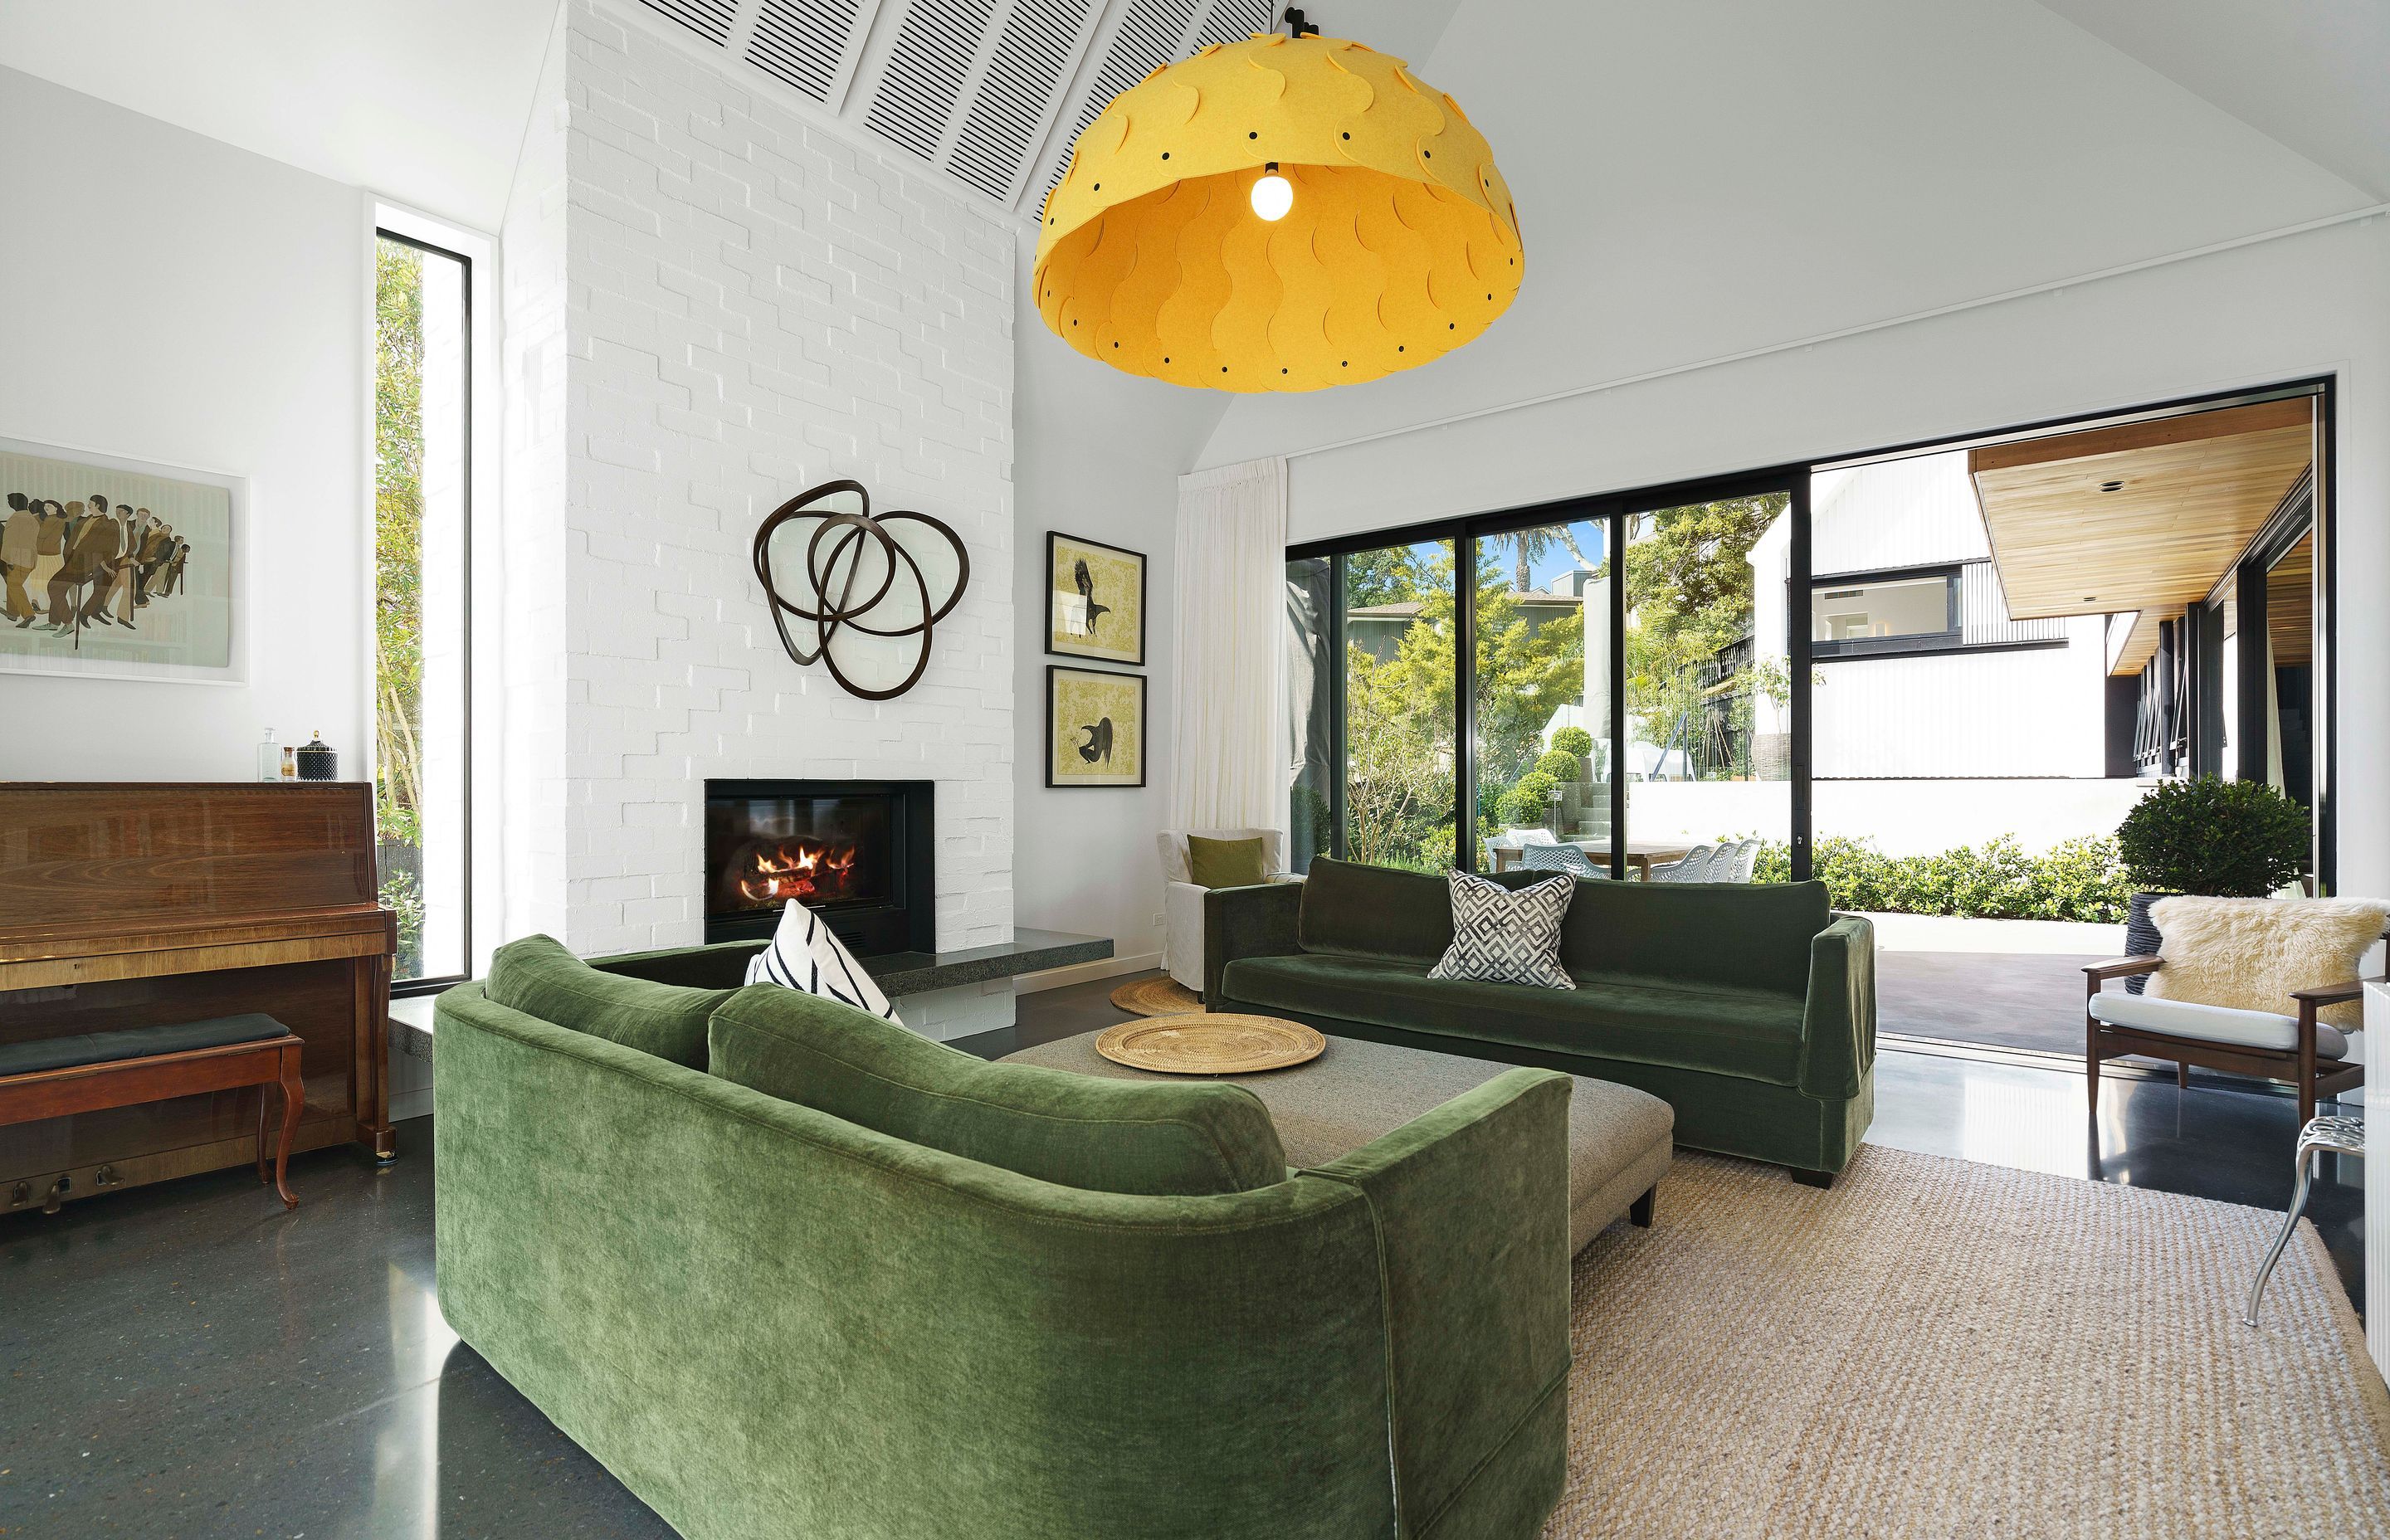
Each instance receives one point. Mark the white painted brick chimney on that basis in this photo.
(754, 305)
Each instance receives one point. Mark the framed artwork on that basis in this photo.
(1095, 727)
(117, 568)
(1095, 601)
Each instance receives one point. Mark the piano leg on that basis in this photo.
(295, 1101)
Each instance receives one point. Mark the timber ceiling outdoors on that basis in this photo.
(2145, 517)
(989, 92)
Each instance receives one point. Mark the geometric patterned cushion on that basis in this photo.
(804, 955)
(1505, 936)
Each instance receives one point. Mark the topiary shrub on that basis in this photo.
(1559, 764)
(2217, 838)
(1527, 804)
(1574, 740)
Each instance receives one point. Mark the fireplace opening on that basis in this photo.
(858, 852)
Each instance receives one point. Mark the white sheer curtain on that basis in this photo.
(1228, 767)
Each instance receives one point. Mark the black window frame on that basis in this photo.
(1797, 477)
(400, 989)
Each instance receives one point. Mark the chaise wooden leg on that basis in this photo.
(2092, 1060)
(295, 1101)
(2183, 1074)
(1638, 1213)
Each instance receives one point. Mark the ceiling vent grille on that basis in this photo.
(935, 47)
(808, 44)
(1149, 36)
(1016, 93)
(708, 18)
(1234, 20)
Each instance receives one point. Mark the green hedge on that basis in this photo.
(2081, 879)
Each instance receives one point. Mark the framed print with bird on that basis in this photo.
(1095, 727)
(1095, 601)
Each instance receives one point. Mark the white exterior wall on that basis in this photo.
(1995, 713)
(1897, 513)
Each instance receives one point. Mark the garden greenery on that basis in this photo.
(2080, 880)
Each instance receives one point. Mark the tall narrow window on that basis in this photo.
(422, 505)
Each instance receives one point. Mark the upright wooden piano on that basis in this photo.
(131, 904)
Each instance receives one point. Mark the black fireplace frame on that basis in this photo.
(909, 922)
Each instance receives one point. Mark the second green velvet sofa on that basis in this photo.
(786, 1269)
(1749, 1009)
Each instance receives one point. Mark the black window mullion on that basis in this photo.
(1464, 703)
(1336, 705)
(1615, 536)
(1797, 650)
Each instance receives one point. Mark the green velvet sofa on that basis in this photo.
(786, 1269)
(1750, 1008)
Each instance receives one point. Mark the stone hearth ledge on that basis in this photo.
(723, 963)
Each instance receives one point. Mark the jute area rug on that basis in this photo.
(1940, 1348)
(1158, 996)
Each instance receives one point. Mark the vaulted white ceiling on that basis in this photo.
(425, 100)
(1707, 177)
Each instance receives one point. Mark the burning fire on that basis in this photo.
(796, 868)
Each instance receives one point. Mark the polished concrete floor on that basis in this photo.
(189, 1360)
(2026, 1000)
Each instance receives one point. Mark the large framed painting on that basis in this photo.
(119, 568)
(1095, 727)
(1095, 601)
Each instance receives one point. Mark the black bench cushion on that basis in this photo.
(101, 1047)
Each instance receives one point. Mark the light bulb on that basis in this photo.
(1273, 196)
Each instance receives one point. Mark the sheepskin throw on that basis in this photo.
(2251, 953)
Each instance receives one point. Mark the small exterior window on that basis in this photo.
(1884, 612)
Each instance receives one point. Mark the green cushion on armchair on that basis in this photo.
(1224, 863)
(538, 977)
(1156, 1138)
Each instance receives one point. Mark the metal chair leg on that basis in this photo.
(2339, 1135)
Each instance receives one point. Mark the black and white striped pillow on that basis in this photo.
(804, 955)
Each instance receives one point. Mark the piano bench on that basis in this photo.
(56, 1077)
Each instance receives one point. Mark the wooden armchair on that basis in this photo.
(2299, 1049)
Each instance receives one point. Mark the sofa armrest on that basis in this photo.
(1248, 922)
(1838, 1028)
(1471, 1202)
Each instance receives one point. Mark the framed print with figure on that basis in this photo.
(1095, 601)
(117, 568)
(1095, 727)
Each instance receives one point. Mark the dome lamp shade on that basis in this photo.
(1284, 214)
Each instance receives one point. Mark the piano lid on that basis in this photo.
(116, 856)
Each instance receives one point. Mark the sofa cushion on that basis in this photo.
(1719, 1029)
(2253, 1028)
(1352, 910)
(1157, 1138)
(1225, 863)
(1745, 935)
(1504, 935)
(538, 977)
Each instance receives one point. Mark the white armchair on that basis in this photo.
(1182, 901)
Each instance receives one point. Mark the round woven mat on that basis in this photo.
(1217, 1044)
(1159, 995)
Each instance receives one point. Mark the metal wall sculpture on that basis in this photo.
(871, 589)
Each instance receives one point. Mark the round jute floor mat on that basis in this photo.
(1939, 1348)
(1159, 995)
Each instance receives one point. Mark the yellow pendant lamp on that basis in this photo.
(1283, 213)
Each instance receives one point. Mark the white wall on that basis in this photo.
(172, 299)
(532, 539)
(757, 306)
(1099, 454)
(1995, 711)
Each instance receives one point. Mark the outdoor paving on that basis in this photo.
(2005, 1000)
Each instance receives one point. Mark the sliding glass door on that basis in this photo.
(1644, 710)
(1708, 729)
(1540, 689)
